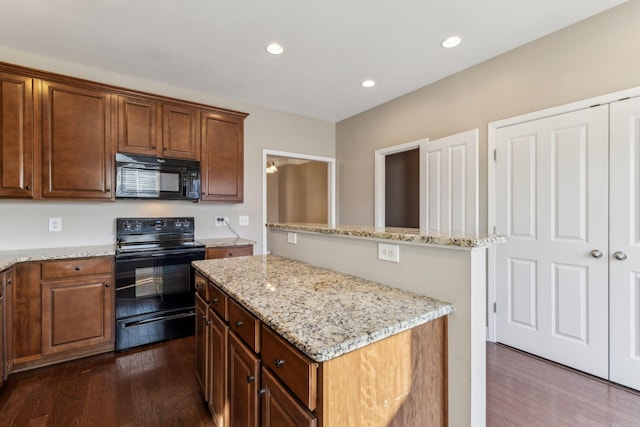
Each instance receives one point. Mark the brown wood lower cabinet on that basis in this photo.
(244, 379)
(60, 310)
(6, 281)
(201, 344)
(395, 382)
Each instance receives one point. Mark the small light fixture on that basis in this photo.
(451, 42)
(368, 83)
(275, 49)
(271, 167)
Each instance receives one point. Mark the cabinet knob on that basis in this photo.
(108, 190)
(203, 317)
(239, 323)
(596, 253)
(262, 391)
(27, 187)
(279, 363)
(208, 322)
(107, 285)
(77, 268)
(250, 378)
(214, 300)
(620, 256)
(9, 282)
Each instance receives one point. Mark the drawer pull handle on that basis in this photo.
(250, 378)
(279, 363)
(77, 268)
(239, 323)
(209, 322)
(214, 300)
(203, 317)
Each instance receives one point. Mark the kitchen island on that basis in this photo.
(450, 267)
(377, 354)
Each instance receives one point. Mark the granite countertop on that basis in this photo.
(321, 312)
(225, 241)
(410, 235)
(9, 258)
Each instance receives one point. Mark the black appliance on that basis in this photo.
(155, 294)
(145, 177)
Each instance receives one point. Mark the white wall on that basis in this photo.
(24, 224)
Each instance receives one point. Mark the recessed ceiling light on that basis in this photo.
(275, 49)
(450, 42)
(368, 83)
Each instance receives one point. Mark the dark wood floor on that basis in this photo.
(523, 390)
(152, 385)
(155, 386)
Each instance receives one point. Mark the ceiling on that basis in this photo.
(218, 46)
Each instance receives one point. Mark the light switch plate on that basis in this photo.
(55, 224)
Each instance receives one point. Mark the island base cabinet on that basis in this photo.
(218, 365)
(244, 378)
(279, 408)
(201, 345)
(400, 381)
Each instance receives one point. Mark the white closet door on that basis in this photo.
(551, 276)
(449, 184)
(625, 243)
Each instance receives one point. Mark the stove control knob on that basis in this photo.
(186, 223)
(126, 225)
(178, 224)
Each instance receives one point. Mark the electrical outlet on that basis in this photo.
(221, 221)
(55, 224)
(388, 252)
(292, 238)
(243, 220)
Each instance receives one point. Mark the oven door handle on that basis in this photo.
(197, 255)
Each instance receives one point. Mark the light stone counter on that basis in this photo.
(321, 312)
(225, 241)
(409, 235)
(9, 258)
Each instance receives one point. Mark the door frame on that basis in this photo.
(331, 186)
(379, 180)
(491, 179)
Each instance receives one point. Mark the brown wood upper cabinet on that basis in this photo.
(152, 128)
(16, 135)
(222, 157)
(77, 142)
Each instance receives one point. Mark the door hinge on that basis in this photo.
(495, 155)
(495, 307)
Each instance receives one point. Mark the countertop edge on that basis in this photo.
(413, 236)
(10, 258)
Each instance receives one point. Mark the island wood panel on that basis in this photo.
(16, 135)
(396, 382)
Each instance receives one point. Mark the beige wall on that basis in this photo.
(24, 224)
(298, 193)
(591, 58)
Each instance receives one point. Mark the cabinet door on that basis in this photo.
(244, 377)
(281, 409)
(16, 136)
(201, 345)
(217, 352)
(180, 137)
(77, 142)
(222, 158)
(137, 126)
(77, 313)
(3, 291)
(27, 315)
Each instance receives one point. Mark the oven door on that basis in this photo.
(155, 297)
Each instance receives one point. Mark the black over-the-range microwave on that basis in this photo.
(146, 177)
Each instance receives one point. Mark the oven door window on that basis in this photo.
(161, 281)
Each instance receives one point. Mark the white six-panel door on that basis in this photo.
(551, 200)
(449, 184)
(624, 256)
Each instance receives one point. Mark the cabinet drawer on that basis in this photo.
(245, 325)
(218, 301)
(201, 286)
(76, 267)
(293, 368)
(229, 252)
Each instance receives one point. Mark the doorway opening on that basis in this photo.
(297, 188)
